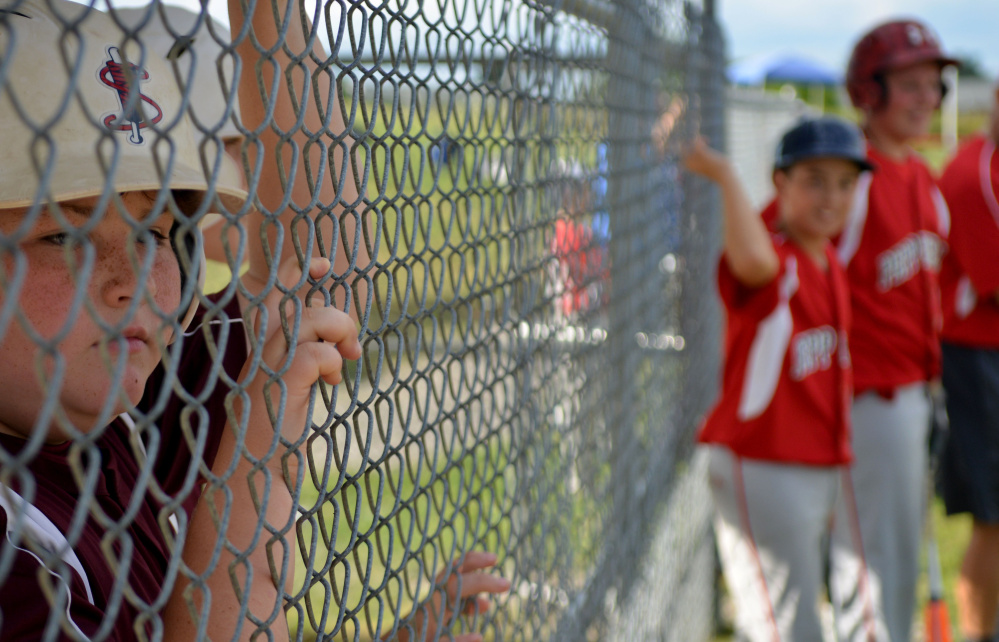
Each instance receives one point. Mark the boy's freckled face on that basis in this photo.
(815, 196)
(116, 295)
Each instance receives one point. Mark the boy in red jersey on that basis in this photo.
(779, 438)
(890, 248)
(969, 284)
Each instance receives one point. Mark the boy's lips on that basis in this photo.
(136, 338)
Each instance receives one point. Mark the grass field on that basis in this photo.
(952, 537)
(382, 538)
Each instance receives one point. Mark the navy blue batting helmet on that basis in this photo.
(825, 137)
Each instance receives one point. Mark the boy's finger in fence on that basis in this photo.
(464, 582)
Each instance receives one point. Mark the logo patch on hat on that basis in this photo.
(919, 36)
(914, 34)
(129, 119)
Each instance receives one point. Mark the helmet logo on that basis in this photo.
(130, 118)
(918, 36)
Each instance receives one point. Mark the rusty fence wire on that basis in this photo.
(497, 186)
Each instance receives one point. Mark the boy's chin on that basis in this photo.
(60, 433)
(833, 231)
(77, 413)
(89, 420)
(816, 233)
(55, 435)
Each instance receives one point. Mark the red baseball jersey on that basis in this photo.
(787, 381)
(771, 216)
(891, 247)
(969, 275)
(92, 595)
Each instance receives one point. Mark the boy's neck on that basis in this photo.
(815, 248)
(894, 148)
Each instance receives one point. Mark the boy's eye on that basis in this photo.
(58, 238)
(918, 86)
(158, 236)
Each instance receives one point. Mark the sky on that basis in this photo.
(824, 29)
(827, 29)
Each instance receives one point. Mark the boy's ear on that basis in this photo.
(780, 178)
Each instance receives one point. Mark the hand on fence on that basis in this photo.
(665, 125)
(462, 585)
(326, 336)
(701, 159)
(749, 251)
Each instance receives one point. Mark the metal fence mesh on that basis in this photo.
(532, 274)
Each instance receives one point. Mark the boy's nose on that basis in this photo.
(931, 94)
(117, 270)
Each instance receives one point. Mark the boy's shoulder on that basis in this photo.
(53, 469)
(963, 170)
(21, 592)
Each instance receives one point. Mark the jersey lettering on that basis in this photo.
(903, 261)
(812, 351)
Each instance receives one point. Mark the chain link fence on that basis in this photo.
(497, 187)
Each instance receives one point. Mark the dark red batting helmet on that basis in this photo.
(892, 45)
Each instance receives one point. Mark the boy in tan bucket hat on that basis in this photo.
(103, 183)
(104, 186)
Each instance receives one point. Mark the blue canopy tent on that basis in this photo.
(783, 67)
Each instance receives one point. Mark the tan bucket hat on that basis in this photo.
(173, 32)
(83, 115)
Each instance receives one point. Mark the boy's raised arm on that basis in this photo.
(238, 517)
(227, 521)
(749, 251)
(283, 113)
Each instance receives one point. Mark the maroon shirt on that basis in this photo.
(140, 551)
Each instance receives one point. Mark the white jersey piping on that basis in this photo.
(854, 230)
(39, 527)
